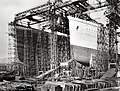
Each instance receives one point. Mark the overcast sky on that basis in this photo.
(8, 8)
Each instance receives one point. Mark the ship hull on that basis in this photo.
(82, 54)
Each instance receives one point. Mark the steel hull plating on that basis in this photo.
(82, 54)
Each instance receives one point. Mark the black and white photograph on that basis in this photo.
(59, 45)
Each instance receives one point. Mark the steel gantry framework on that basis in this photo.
(37, 46)
(113, 15)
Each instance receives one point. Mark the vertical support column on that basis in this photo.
(37, 64)
(53, 50)
(11, 42)
(25, 48)
(43, 57)
(38, 53)
(112, 43)
(15, 44)
(53, 23)
(26, 55)
(32, 58)
(102, 48)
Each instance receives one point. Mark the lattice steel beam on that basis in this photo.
(46, 9)
(32, 12)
